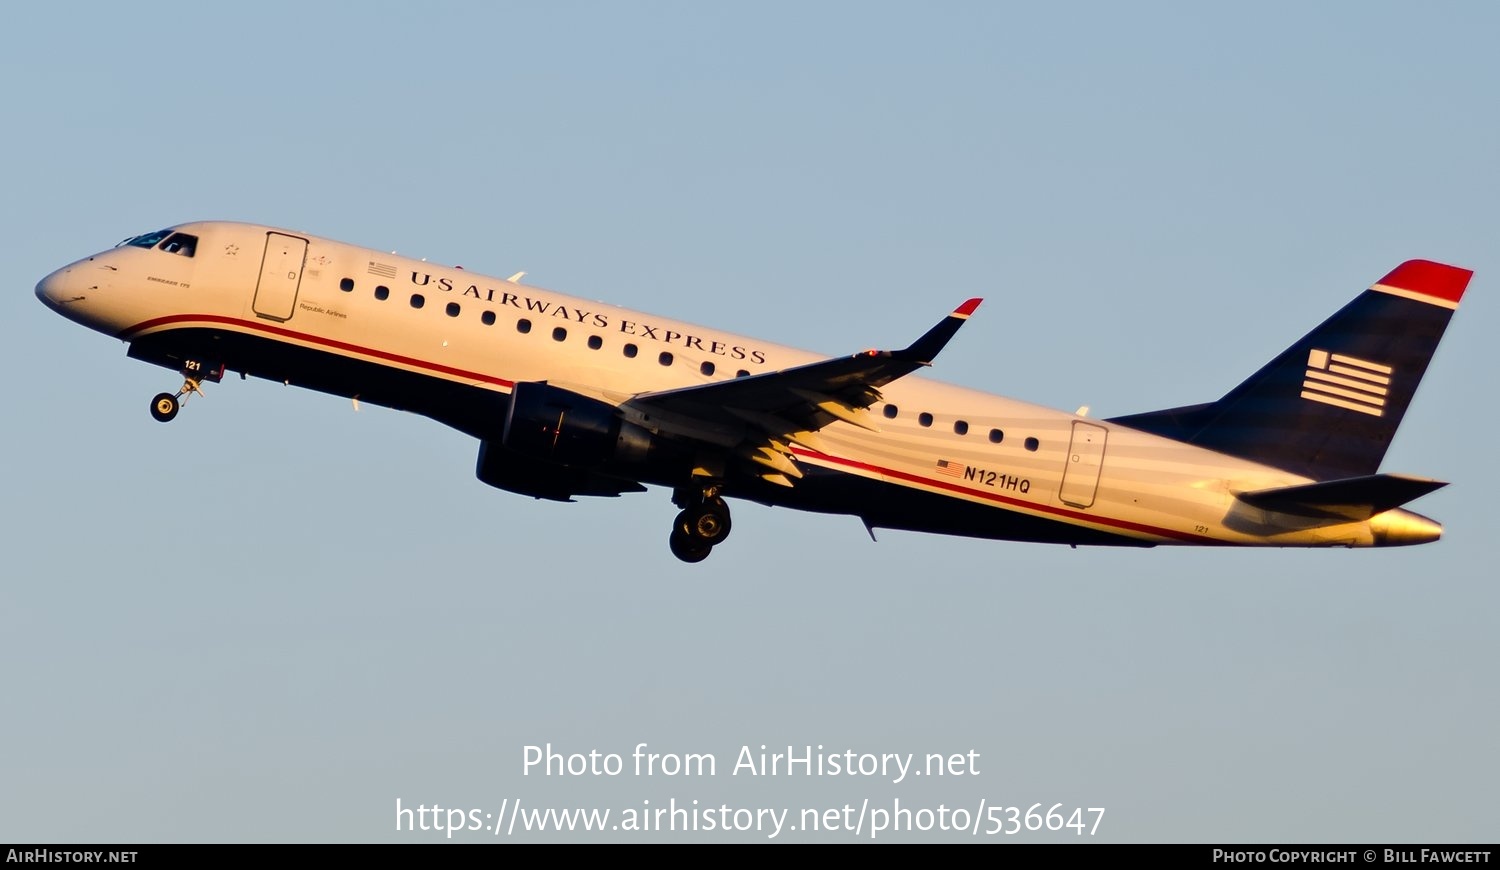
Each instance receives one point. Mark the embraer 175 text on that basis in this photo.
(571, 398)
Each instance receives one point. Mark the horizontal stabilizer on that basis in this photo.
(1353, 498)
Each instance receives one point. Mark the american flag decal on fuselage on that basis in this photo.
(952, 469)
(1346, 382)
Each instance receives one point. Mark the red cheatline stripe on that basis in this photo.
(995, 497)
(1427, 278)
(134, 331)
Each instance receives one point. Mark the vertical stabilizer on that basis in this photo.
(1329, 405)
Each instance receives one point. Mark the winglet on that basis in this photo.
(926, 348)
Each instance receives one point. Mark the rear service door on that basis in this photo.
(1085, 458)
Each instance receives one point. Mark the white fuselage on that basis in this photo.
(487, 334)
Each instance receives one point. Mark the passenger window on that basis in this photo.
(890, 412)
(707, 368)
(523, 326)
(417, 300)
(453, 309)
(924, 418)
(1032, 444)
(559, 334)
(346, 284)
(382, 293)
(487, 318)
(960, 427)
(742, 374)
(595, 342)
(665, 358)
(996, 436)
(629, 350)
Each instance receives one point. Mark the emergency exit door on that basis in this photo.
(280, 276)
(1085, 459)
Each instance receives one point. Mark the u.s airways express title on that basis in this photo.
(598, 319)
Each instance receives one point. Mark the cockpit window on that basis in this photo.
(149, 240)
(181, 244)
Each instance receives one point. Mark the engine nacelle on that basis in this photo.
(508, 470)
(556, 444)
(563, 427)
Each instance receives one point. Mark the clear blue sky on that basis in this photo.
(275, 617)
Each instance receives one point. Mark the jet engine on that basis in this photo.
(561, 426)
(557, 443)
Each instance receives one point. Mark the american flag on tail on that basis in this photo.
(1346, 382)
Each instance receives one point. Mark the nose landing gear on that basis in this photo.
(166, 405)
(703, 523)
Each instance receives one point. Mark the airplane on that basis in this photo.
(572, 398)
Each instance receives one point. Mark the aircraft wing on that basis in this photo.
(760, 413)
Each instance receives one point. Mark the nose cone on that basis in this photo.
(49, 289)
(62, 290)
(71, 291)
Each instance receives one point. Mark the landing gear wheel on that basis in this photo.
(687, 547)
(164, 407)
(703, 523)
(709, 521)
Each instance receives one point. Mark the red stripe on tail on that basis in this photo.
(1429, 279)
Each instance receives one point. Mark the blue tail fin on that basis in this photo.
(1329, 405)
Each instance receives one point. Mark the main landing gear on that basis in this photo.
(166, 405)
(704, 522)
